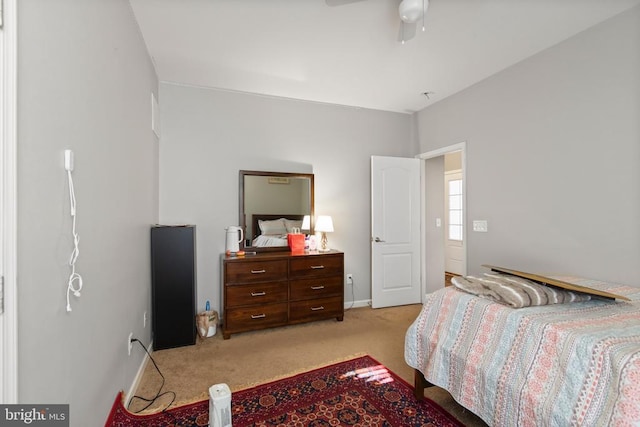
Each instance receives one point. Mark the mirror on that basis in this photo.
(271, 204)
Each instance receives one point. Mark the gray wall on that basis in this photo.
(84, 83)
(209, 135)
(553, 147)
(434, 257)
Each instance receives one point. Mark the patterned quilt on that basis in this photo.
(575, 364)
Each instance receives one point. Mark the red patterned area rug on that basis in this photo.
(358, 392)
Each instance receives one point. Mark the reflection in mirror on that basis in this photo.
(272, 204)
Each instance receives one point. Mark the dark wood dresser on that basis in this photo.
(281, 288)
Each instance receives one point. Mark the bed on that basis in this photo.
(558, 365)
(272, 229)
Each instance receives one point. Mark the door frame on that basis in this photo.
(462, 147)
(8, 202)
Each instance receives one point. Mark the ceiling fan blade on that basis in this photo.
(340, 2)
(406, 31)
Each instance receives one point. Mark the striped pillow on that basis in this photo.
(515, 291)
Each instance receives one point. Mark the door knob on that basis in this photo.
(378, 240)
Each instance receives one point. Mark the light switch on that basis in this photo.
(438, 222)
(480, 226)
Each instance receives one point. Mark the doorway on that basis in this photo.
(443, 227)
(454, 230)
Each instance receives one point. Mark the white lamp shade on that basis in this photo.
(306, 223)
(324, 223)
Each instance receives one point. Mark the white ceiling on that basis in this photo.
(349, 54)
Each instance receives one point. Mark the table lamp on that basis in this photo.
(306, 224)
(324, 225)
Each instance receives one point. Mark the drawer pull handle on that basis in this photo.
(258, 316)
(317, 288)
(317, 308)
(258, 294)
(317, 267)
(258, 271)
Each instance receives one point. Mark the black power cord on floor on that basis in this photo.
(160, 393)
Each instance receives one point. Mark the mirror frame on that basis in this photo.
(242, 215)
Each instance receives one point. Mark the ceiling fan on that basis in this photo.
(411, 12)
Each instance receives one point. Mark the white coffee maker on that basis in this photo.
(235, 235)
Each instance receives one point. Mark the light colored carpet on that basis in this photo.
(254, 358)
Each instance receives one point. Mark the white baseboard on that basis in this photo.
(357, 304)
(138, 377)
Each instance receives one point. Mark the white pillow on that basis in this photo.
(274, 227)
(290, 224)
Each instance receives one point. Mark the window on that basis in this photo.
(455, 210)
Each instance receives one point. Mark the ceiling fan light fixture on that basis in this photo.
(412, 10)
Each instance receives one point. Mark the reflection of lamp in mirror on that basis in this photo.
(306, 224)
(324, 225)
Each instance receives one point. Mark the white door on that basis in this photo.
(395, 231)
(8, 197)
(454, 222)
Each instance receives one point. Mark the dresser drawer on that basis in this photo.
(322, 308)
(316, 265)
(256, 271)
(249, 318)
(261, 293)
(316, 287)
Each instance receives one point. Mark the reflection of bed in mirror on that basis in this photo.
(271, 229)
(269, 196)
